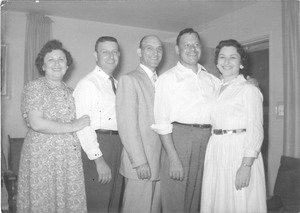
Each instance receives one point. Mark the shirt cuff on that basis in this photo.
(93, 154)
(138, 163)
(251, 153)
(162, 129)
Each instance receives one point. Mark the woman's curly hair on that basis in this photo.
(49, 47)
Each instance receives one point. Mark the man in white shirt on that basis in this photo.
(95, 96)
(183, 124)
(140, 162)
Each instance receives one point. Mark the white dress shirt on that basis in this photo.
(94, 96)
(181, 95)
(150, 73)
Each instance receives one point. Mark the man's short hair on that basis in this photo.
(105, 38)
(185, 31)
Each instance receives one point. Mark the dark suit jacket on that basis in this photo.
(134, 107)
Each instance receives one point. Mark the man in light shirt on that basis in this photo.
(140, 163)
(95, 96)
(182, 122)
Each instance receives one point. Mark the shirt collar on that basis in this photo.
(200, 67)
(101, 73)
(51, 85)
(240, 78)
(148, 71)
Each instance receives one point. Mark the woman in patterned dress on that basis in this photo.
(51, 175)
(234, 179)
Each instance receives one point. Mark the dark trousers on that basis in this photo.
(104, 197)
(177, 196)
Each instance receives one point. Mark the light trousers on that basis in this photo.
(141, 196)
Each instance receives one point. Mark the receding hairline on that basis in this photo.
(145, 38)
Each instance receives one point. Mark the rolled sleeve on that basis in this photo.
(162, 129)
(251, 153)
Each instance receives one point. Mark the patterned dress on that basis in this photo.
(239, 106)
(50, 175)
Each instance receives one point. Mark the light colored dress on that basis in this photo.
(50, 175)
(239, 106)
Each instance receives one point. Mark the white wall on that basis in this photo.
(79, 38)
(262, 19)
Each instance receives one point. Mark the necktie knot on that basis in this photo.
(154, 77)
(112, 84)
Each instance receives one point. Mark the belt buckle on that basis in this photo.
(228, 132)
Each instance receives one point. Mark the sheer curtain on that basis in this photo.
(38, 32)
(291, 70)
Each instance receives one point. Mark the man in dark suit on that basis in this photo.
(140, 161)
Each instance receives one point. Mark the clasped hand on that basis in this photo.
(143, 171)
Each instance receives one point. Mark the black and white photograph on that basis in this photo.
(150, 106)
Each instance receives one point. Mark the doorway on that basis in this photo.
(258, 63)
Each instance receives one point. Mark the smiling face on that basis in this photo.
(189, 50)
(107, 56)
(151, 52)
(229, 62)
(55, 65)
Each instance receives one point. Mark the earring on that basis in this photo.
(241, 67)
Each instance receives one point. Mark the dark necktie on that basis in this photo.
(112, 83)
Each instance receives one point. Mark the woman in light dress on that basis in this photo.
(234, 179)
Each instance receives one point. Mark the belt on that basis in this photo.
(223, 131)
(202, 126)
(107, 132)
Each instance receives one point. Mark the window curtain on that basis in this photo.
(291, 70)
(38, 32)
